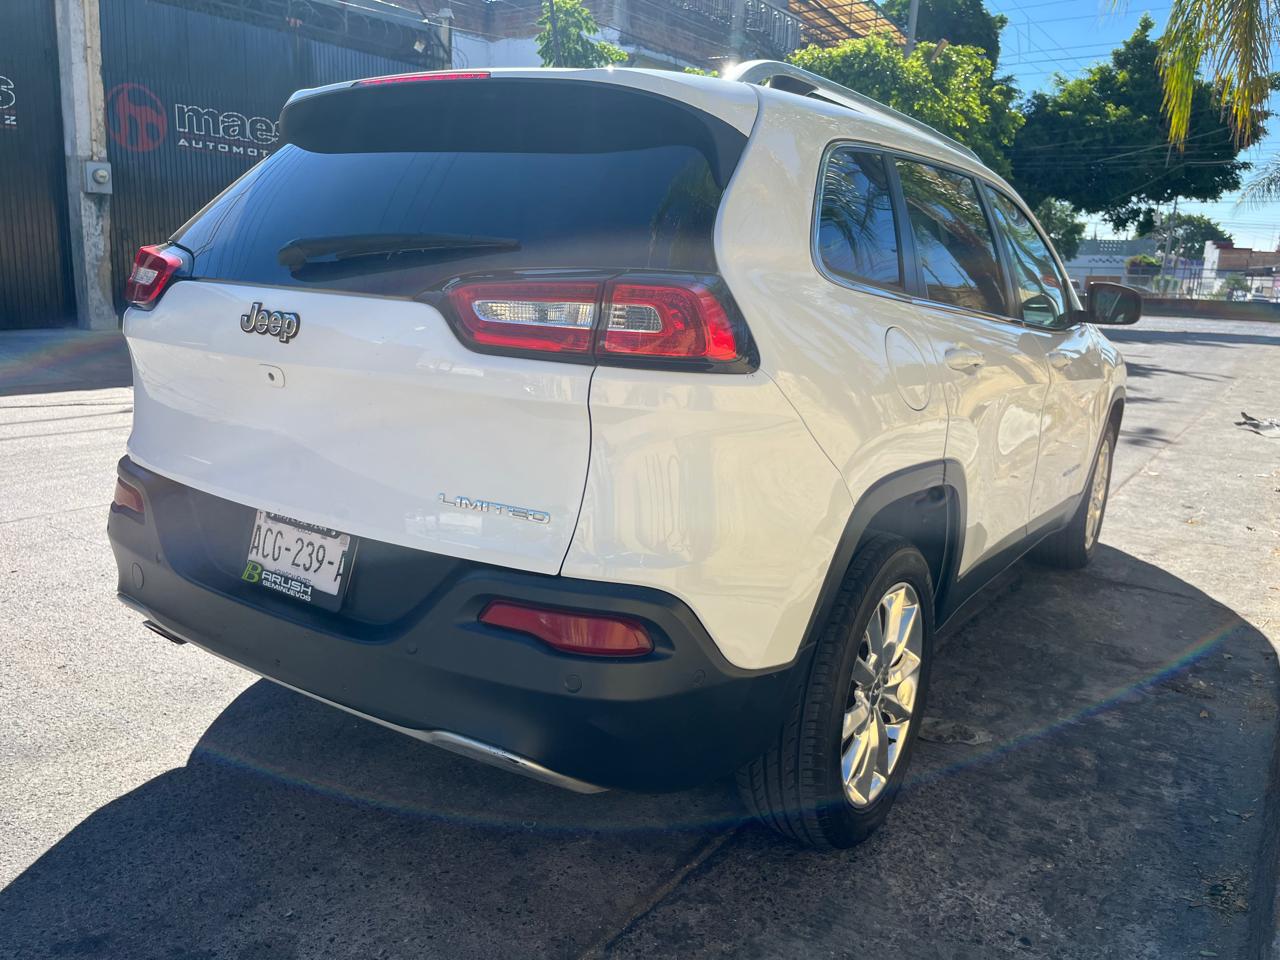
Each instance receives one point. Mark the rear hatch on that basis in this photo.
(310, 359)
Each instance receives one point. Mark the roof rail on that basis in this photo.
(766, 72)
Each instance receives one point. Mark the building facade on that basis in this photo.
(1258, 270)
(705, 34)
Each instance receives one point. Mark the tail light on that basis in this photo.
(654, 321)
(651, 320)
(591, 634)
(153, 269)
(128, 498)
(551, 317)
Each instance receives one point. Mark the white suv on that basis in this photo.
(620, 427)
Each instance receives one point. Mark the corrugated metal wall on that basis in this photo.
(192, 101)
(36, 288)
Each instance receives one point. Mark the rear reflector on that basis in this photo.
(128, 498)
(684, 322)
(153, 269)
(544, 316)
(424, 77)
(591, 634)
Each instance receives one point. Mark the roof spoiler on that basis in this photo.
(795, 80)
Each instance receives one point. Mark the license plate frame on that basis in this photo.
(278, 575)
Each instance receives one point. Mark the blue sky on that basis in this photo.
(1066, 36)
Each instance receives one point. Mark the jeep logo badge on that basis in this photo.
(282, 326)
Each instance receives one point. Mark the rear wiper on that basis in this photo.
(298, 252)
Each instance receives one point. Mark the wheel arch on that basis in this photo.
(922, 504)
(1115, 411)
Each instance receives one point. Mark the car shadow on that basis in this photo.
(1091, 780)
(1267, 335)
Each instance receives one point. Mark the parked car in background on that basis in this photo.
(622, 428)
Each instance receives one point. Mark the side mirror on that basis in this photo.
(1113, 304)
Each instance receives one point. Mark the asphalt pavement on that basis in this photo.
(1096, 781)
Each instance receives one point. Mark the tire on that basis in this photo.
(1073, 546)
(797, 787)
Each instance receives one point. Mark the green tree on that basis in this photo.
(1232, 285)
(568, 43)
(962, 22)
(1099, 141)
(1143, 265)
(1235, 42)
(1190, 231)
(1063, 224)
(956, 92)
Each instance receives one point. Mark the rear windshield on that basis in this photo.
(423, 185)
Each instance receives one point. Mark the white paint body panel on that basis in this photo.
(710, 488)
(383, 409)
(994, 431)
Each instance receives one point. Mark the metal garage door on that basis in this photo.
(194, 89)
(36, 287)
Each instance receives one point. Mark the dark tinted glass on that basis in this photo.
(857, 235)
(605, 193)
(952, 238)
(1042, 296)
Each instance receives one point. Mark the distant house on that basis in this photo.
(1097, 260)
(1110, 260)
(1259, 268)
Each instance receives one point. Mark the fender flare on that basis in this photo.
(916, 480)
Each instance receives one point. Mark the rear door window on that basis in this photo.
(1041, 290)
(857, 231)
(396, 191)
(953, 241)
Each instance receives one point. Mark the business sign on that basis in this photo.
(138, 121)
(8, 104)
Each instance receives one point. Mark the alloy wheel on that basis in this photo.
(1098, 494)
(882, 695)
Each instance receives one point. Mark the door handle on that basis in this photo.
(964, 358)
(1059, 359)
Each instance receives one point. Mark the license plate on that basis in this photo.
(300, 560)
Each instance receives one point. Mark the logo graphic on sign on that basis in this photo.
(136, 118)
(7, 100)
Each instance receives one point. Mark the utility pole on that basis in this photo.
(1168, 240)
(84, 131)
(555, 33)
(912, 14)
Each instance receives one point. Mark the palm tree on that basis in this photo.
(1235, 41)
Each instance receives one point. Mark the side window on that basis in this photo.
(857, 236)
(952, 237)
(1042, 296)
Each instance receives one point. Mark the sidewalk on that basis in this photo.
(46, 361)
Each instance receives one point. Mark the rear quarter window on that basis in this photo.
(857, 232)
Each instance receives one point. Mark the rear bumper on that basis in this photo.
(679, 716)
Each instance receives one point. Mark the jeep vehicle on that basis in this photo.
(623, 428)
